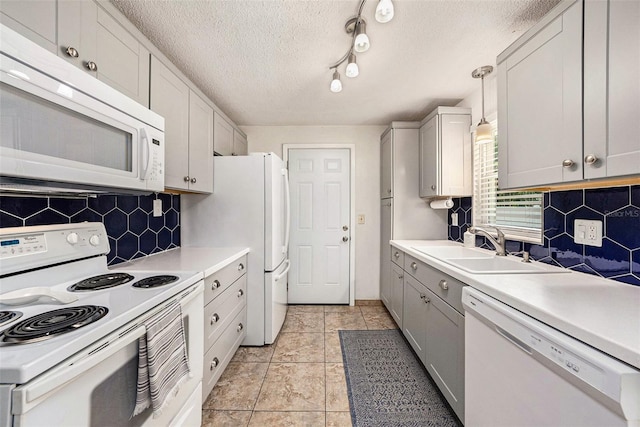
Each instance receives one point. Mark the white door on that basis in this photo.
(320, 234)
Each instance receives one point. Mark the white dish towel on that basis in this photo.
(163, 364)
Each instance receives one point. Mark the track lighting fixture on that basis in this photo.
(484, 133)
(357, 27)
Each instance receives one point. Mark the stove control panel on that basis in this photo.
(22, 245)
(23, 248)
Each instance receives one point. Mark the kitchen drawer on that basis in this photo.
(219, 355)
(443, 285)
(221, 311)
(397, 256)
(217, 282)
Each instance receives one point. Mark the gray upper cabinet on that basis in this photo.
(35, 19)
(445, 153)
(240, 146)
(544, 83)
(222, 136)
(188, 131)
(83, 33)
(611, 88)
(540, 102)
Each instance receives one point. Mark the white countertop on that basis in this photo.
(206, 260)
(600, 312)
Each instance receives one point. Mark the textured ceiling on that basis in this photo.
(266, 62)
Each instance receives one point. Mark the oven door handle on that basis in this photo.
(89, 358)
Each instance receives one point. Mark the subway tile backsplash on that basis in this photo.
(617, 207)
(132, 229)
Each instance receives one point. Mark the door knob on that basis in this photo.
(345, 228)
(345, 239)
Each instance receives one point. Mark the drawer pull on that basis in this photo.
(215, 285)
(240, 293)
(397, 254)
(443, 285)
(414, 265)
(240, 267)
(240, 327)
(214, 364)
(215, 318)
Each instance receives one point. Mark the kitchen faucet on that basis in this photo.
(499, 244)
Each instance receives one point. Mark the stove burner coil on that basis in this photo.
(155, 281)
(9, 316)
(103, 281)
(47, 325)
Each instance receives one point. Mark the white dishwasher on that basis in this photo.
(521, 372)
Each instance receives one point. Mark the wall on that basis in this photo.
(617, 207)
(132, 229)
(367, 185)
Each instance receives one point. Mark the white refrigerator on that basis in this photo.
(249, 207)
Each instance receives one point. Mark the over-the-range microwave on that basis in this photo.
(62, 130)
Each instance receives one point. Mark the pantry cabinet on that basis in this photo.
(240, 146)
(222, 136)
(86, 35)
(188, 131)
(544, 82)
(446, 165)
(433, 323)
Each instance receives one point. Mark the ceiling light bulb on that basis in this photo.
(484, 132)
(336, 84)
(361, 43)
(352, 67)
(384, 11)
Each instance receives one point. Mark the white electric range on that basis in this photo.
(69, 328)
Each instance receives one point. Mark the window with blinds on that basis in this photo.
(517, 214)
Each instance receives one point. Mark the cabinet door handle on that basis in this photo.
(215, 285)
(433, 187)
(186, 178)
(400, 276)
(427, 300)
(240, 327)
(422, 296)
(240, 293)
(567, 163)
(91, 66)
(591, 159)
(397, 255)
(443, 285)
(71, 51)
(215, 318)
(240, 267)
(214, 363)
(193, 180)
(414, 265)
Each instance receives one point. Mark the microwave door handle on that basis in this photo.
(146, 153)
(287, 198)
(60, 376)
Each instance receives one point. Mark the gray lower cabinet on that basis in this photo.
(433, 323)
(397, 293)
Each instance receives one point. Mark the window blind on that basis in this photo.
(517, 214)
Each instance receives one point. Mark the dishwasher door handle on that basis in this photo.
(515, 341)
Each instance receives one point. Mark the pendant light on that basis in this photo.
(352, 68)
(336, 84)
(361, 42)
(384, 11)
(484, 132)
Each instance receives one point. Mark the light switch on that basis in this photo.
(588, 232)
(454, 218)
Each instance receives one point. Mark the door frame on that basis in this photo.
(352, 208)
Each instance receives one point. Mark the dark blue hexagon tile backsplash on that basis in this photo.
(132, 229)
(617, 207)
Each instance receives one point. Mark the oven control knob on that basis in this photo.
(72, 238)
(94, 240)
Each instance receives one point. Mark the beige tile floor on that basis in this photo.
(297, 381)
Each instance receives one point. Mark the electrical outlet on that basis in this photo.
(361, 219)
(157, 207)
(588, 232)
(454, 218)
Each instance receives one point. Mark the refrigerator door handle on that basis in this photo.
(284, 273)
(287, 201)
